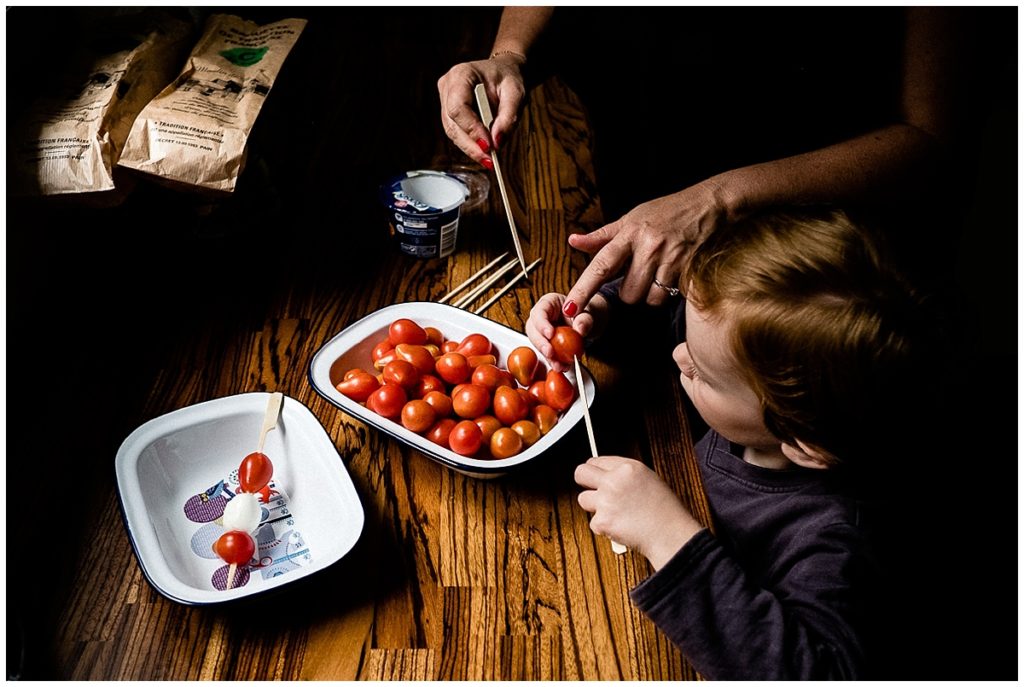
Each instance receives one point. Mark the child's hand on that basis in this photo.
(633, 506)
(546, 314)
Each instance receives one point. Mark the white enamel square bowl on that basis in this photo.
(352, 347)
(176, 472)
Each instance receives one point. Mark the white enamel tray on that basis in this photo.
(176, 472)
(351, 348)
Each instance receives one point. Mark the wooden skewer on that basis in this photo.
(270, 417)
(486, 284)
(469, 281)
(617, 548)
(509, 285)
(231, 575)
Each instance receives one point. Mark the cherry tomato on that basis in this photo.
(388, 400)
(465, 438)
(470, 400)
(528, 430)
(380, 349)
(488, 425)
(427, 384)
(235, 547)
(453, 368)
(255, 472)
(418, 416)
(402, 373)
(567, 343)
(527, 398)
(509, 406)
(449, 347)
(475, 344)
(522, 363)
(558, 392)
(419, 356)
(545, 417)
(380, 362)
(537, 391)
(440, 402)
(506, 443)
(476, 361)
(507, 379)
(405, 330)
(358, 386)
(352, 373)
(434, 350)
(434, 336)
(440, 432)
(486, 375)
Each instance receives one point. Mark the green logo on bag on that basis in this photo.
(244, 57)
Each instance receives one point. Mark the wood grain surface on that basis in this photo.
(453, 578)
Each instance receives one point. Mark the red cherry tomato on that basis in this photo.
(527, 398)
(487, 376)
(402, 373)
(381, 349)
(465, 438)
(405, 330)
(453, 368)
(567, 343)
(506, 443)
(544, 417)
(255, 472)
(358, 386)
(388, 400)
(470, 400)
(418, 416)
(427, 384)
(509, 406)
(440, 432)
(536, 390)
(528, 430)
(235, 547)
(475, 344)
(419, 356)
(558, 392)
(488, 425)
(440, 402)
(434, 336)
(522, 363)
(449, 347)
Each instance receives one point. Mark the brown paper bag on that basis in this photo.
(195, 131)
(68, 140)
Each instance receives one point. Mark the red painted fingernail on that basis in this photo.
(569, 309)
(486, 162)
(483, 145)
(497, 141)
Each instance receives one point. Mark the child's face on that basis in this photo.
(712, 380)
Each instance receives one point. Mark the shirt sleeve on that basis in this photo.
(731, 628)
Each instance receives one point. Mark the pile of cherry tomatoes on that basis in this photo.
(456, 395)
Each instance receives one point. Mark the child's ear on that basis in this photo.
(808, 457)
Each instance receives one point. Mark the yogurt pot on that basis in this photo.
(423, 211)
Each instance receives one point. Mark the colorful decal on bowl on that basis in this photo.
(280, 547)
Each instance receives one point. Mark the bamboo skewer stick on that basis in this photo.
(463, 285)
(616, 546)
(231, 575)
(507, 286)
(486, 284)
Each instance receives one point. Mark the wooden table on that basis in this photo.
(453, 577)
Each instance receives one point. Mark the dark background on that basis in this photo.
(97, 296)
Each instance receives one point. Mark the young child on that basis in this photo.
(801, 348)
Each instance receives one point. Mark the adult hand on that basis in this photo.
(652, 241)
(546, 314)
(633, 506)
(503, 79)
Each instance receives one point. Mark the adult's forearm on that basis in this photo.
(884, 162)
(520, 27)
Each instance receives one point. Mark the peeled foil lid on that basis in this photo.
(425, 192)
